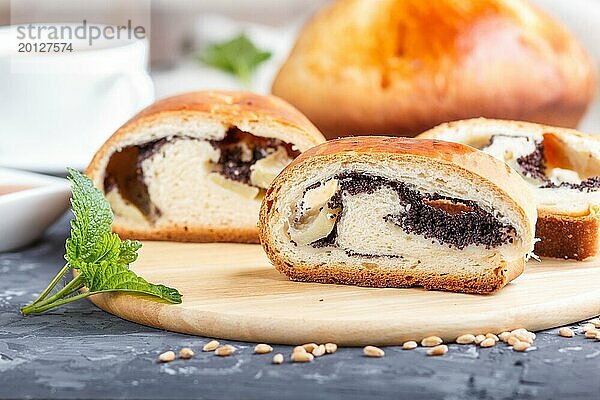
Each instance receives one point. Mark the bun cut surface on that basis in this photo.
(403, 66)
(394, 212)
(562, 168)
(194, 167)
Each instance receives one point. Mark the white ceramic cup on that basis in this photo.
(56, 109)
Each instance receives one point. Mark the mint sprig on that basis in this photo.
(238, 56)
(100, 256)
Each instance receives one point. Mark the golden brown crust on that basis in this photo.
(201, 235)
(407, 65)
(231, 109)
(373, 276)
(464, 160)
(563, 236)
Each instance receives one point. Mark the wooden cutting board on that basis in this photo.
(231, 291)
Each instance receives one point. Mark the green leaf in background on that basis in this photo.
(238, 56)
(100, 256)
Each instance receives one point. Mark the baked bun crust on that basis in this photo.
(568, 213)
(403, 66)
(368, 186)
(166, 175)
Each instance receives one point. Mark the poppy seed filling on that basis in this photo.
(450, 221)
(239, 150)
(534, 165)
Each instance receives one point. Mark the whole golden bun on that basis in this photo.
(403, 66)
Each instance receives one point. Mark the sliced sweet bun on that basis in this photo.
(562, 167)
(396, 212)
(403, 66)
(194, 167)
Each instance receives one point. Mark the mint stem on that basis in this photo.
(39, 308)
(54, 282)
(74, 285)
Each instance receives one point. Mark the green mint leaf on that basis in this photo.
(101, 257)
(238, 56)
(112, 277)
(107, 249)
(128, 251)
(93, 219)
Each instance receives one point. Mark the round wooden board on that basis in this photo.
(231, 291)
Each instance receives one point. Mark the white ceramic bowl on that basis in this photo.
(25, 214)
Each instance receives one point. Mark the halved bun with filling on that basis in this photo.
(396, 212)
(195, 167)
(562, 167)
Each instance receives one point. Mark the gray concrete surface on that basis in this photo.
(79, 351)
